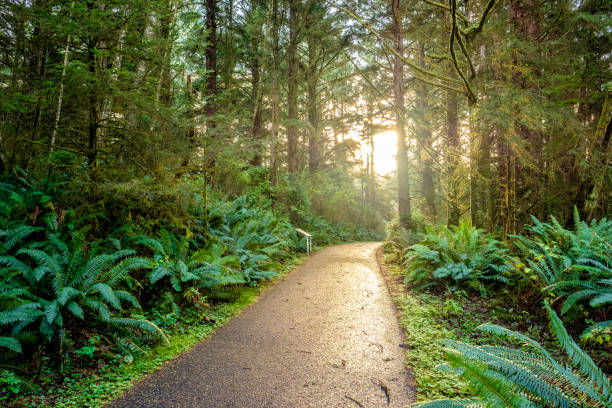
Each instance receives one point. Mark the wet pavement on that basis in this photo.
(325, 336)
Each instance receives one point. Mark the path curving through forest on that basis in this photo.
(325, 336)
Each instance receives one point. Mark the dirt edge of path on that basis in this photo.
(396, 287)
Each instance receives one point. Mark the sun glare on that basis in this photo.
(385, 150)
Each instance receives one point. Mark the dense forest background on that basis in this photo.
(157, 156)
(499, 106)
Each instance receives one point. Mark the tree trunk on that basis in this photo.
(60, 96)
(210, 108)
(405, 215)
(424, 133)
(597, 198)
(452, 157)
(370, 138)
(229, 56)
(257, 95)
(528, 172)
(38, 69)
(314, 153)
(275, 92)
(190, 133)
(480, 175)
(92, 134)
(163, 92)
(292, 134)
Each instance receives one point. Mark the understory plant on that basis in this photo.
(257, 238)
(574, 265)
(51, 289)
(529, 377)
(457, 256)
(184, 267)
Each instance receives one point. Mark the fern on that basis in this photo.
(41, 287)
(571, 264)
(456, 256)
(508, 377)
(10, 343)
(184, 269)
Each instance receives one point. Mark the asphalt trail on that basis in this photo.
(325, 336)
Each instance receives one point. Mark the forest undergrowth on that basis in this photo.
(517, 322)
(95, 293)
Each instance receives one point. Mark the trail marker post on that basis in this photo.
(308, 239)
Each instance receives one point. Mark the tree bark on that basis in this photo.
(452, 157)
(275, 92)
(480, 175)
(60, 96)
(210, 109)
(405, 216)
(314, 152)
(427, 187)
(257, 91)
(163, 92)
(92, 134)
(529, 171)
(292, 134)
(370, 138)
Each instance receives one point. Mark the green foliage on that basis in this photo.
(50, 288)
(424, 318)
(527, 377)
(461, 255)
(11, 384)
(185, 268)
(256, 238)
(399, 238)
(95, 390)
(573, 264)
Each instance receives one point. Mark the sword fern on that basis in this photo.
(526, 377)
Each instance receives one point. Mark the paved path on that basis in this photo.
(325, 336)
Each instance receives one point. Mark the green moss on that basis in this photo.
(425, 320)
(429, 318)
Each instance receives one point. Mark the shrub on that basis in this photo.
(185, 268)
(256, 237)
(461, 255)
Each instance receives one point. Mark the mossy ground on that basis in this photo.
(429, 318)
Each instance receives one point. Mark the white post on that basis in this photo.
(308, 239)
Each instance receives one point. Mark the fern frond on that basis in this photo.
(121, 270)
(601, 299)
(492, 389)
(576, 297)
(17, 235)
(10, 343)
(127, 297)
(449, 403)
(106, 293)
(579, 358)
(139, 324)
(75, 309)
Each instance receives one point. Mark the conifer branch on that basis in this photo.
(408, 62)
(467, 56)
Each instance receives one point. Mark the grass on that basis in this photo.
(80, 389)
